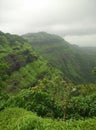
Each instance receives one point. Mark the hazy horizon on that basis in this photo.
(74, 20)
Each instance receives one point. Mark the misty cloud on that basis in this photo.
(84, 40)
(74, 19)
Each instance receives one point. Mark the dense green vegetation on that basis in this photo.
(36, 101)
(75, 62)
(34, 95)
(20, 66)
(20, 119)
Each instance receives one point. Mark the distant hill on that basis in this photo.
(75, 62)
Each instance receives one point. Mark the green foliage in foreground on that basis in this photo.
(40, 102)
(44, 104)
(20, 119)
(82, 107)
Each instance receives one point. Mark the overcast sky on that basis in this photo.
(75, 20)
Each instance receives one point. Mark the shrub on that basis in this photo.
(36, 101)
(82, 107)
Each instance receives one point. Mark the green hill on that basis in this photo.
(20, 66)
(22, 69)
(75, 62)
(29, 85)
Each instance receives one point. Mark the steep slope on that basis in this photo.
(73, 61)
(20, 66)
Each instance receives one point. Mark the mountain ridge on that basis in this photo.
(20, 66)
(75, 62)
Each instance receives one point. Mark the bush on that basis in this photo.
(39, 102)
(82, 107)
(20, 119)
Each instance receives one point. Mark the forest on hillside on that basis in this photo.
(46, 83)
(75, 62)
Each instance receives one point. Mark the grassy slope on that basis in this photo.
(20, 119)
(72, 60)
(24, 67)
